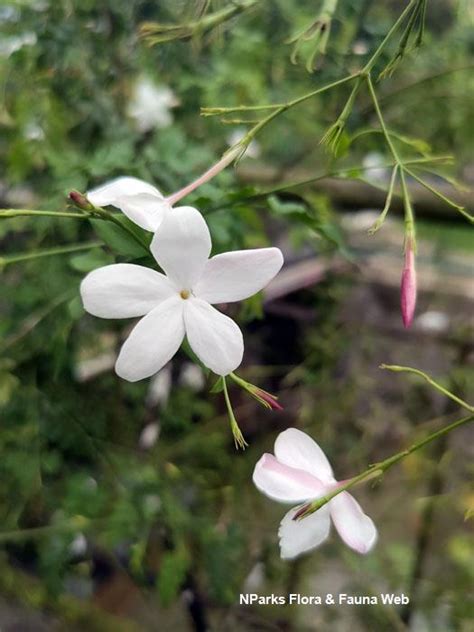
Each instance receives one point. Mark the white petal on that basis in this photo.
(124, 290)
(353, 525)
(139, 201)
(214, 337)
(182, 245)
(234, 276)
(285, 484)
(297, 449)
(300, 536)
(153, 342)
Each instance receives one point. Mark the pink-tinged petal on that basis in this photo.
(214, 337)
(300, 536)
(408, 285)
(296, 449)
(153, 342)
(234, 276)
(182, 246)
(286, 484)
(139, 201)
(353, 525)
(124, 290)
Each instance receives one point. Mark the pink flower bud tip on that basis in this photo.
(268, 399)
(408, 286)
(80, 200)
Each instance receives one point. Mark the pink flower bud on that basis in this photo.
(80, 200)
(408, 285)
(267, 399)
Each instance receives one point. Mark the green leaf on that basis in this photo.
(90, 261)
(118, 240)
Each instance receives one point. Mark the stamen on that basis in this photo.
(184, 294)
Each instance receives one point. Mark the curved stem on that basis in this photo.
(377, 469)
(407, 369)
(60, 250)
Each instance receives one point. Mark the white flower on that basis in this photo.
(150, 105)
(300, 472)
(179, 303)
(139, 201)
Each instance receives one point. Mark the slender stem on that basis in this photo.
(289, 104)
(20, 212)
(406, 369)
(212, 111)
(238, 436)
(96, 213)
(336, 173)
(60, 250)
(385, 131)
(370, 64)
(101, 213)
(377, 469)
(409, 216)
(226, 159)
(341, 172)
(388, 201)
(440, 195)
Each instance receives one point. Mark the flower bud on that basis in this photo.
(408, 284)
(80, 200)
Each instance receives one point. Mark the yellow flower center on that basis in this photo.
(184, 294)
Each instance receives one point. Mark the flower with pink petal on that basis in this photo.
(141, 202)
(179, 303)
(408, 284)
(300, 473)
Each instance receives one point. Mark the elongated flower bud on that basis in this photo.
(408, 285)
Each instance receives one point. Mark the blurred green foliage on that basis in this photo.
(183, 512)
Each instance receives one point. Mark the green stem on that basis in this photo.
(60, 250)
(237, 433)
(282, 107)
(289, 104)
(97, 213)
(370, 64)
(20, 212)
(406, 369)
(409, 216)
(101, 213)
(388, 201)
(336, 173)
(440, 195)
(377, 469)
(385, 131)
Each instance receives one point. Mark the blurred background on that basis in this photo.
(125, 506)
